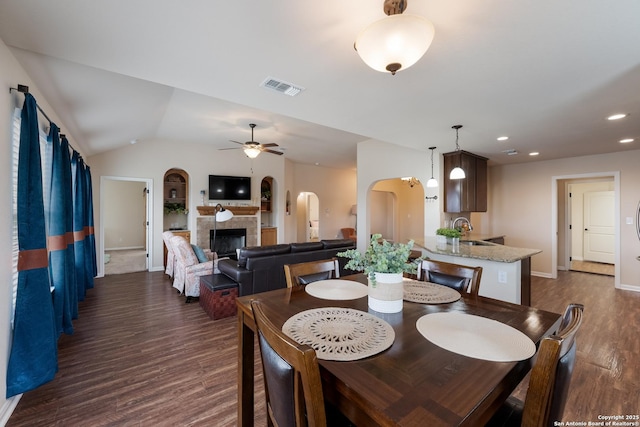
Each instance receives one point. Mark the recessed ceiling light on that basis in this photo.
(503, 138)
(624, 141)
(617, 116)
(534, 153)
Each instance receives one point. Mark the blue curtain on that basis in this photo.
(82, 231)
(60, 233)
(34, 355)
(72, 282)
(90, 245)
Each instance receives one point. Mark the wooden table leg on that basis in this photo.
(245, 370)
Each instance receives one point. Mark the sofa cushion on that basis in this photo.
(260, 251)
(306, 246)
(337, 243)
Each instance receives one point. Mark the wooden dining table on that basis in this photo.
(412, 383)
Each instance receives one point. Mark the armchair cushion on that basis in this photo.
(199, 253)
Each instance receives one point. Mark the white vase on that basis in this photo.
(385, 296)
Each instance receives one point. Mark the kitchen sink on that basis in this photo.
(476, 243)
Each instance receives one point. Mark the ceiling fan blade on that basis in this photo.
(279, 153)
(269, 145)
(233, 148)
(241, 143)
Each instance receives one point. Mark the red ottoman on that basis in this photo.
(218, 295)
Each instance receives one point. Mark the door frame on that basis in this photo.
(554, 218)
(148, 213)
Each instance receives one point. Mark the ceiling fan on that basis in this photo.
(253, 148)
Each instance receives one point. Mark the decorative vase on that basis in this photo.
(386, 294)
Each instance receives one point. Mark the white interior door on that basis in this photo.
(599, 227)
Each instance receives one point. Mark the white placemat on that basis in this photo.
(428, 293)
(341, 334)
(476, 336)
(336, 289)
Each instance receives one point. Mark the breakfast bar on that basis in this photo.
(506, 270)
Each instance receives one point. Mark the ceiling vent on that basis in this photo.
(281, 86)
(510, 152)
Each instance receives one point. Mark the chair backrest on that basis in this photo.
(183, 251)
(551, 374)
(456, 276)
(306, 272)
(293, 387)
(348, 233)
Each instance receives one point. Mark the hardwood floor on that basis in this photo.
(140, 356)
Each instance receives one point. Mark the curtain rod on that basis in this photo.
(25, 89)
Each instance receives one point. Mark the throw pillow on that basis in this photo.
(199, 253)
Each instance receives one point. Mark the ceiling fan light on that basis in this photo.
(395, 42)
(432, 183)
(457, 173)
(251, 152)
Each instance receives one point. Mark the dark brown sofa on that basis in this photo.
(261, 268)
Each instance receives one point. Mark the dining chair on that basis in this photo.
(550, 377)
(306, 272)
(292, 382)
(456, 276)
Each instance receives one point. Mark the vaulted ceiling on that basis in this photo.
(545, 73)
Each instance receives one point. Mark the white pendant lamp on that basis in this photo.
(395, 42)
(457, 172)
(432, 183)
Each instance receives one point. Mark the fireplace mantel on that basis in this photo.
(237, 210)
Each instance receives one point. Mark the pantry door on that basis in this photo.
(599, 227)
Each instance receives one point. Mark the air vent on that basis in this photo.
(281, 86)
(510, 152)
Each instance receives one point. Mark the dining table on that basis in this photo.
(413, 382)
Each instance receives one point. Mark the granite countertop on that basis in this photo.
(488, 251)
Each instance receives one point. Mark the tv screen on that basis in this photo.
(229, 187)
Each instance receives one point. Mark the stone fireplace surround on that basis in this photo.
(205, 223)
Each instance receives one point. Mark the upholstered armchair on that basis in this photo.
(188, 268)
(171, 259)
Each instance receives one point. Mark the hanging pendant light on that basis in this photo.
(432, 183)
(395, 42)
(457, 172)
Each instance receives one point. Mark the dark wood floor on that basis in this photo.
(141, 357)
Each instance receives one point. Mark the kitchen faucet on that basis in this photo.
(453, 225)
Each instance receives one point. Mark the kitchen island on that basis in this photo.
(506, 270)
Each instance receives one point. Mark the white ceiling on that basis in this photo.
(547, 73)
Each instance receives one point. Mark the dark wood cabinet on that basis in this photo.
(468, 194)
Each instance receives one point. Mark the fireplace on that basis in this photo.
(227, 241)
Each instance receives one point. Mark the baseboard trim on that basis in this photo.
(541, 274)
(633, 288)
(8, 408)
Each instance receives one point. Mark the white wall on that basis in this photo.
(520, 205)
(378, 161)
(124, 213)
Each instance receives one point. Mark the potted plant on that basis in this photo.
(452, 235)
(384, 264)
(177, 208)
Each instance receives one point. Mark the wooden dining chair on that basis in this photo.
(306, 272)
(456, 276)
(549, 381)
(292, 382)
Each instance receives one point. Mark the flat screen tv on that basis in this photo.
(229, 187)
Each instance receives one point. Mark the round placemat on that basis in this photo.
(428, 293)
(337, 289)
(341, 334)
(476, 336)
